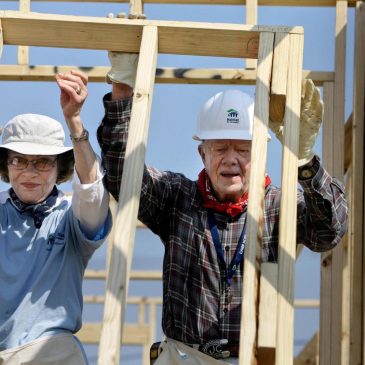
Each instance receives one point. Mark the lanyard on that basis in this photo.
(238, 256)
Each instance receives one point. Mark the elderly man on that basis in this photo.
(202, 223)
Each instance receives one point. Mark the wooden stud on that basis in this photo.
(309, 354)
(327, 127)
(188, 38)
(23, 51)
(251, 18)
(135, 8)
(1, 40)
(256, 193)
(166, 75)
(279, 77)
(348, 143)
(338, 168)
(266, 338)
(121, 258)
(288, 206)
(295, 3)
(357, 338)
(346, 284)
(326, 257)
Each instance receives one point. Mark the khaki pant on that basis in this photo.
(62, 349)
(177, 353)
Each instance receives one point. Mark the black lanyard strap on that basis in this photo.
(240, 250)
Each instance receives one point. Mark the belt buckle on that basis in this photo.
(215, 349)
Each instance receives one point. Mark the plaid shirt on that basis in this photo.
(197, 304)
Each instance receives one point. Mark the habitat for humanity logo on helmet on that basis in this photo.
(232, 116)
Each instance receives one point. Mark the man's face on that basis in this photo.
(227, 163)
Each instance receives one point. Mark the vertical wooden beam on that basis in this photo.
(122, 251)
(135, 8)
(251, 18)
(23, 51)
(255, 205)
(309, 354)
(357, 339)
(346, 290)
(279, 77)
(1, 40)
(288, 205)
(338, 171)
(266, 338)
(326, 257)
(327, 126)
(339, 92)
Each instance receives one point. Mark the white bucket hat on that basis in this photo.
(34, 134)
(226, 115)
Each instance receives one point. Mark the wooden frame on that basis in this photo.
(228, 76)
(228, 2)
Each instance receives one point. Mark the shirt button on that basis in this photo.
(226, 248)
(225, 310)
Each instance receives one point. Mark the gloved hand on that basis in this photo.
(311, 116)
(123, 68)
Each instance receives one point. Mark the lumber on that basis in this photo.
(135, 8)
(188, 38)
(346, 291)
(23, 51)
(327, 125)
(135, 275)
(166, 75)
(1, 40)
(251, 18)
(279, 77)
(309, 354)
(123, 242)
(348, 143)
(266, 337)
(255, 204)
(309, 3)
(357, 189)
(338, 168)
(288, 206)
(326, 257)
(133, 334)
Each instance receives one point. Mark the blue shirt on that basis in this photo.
(41, 272)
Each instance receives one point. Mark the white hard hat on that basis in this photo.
(226, 115)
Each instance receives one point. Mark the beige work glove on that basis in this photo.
(123, 68)
(311, 116)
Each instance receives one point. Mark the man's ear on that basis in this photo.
(201, 152)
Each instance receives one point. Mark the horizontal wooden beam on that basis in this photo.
(133, 334)
(166, 75)
(135, 275)
(307, 3)
(188, 38)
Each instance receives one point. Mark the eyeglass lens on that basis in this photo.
(40, 164)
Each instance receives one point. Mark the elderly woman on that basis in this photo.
(46, 238)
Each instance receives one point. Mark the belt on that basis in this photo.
(218, 349)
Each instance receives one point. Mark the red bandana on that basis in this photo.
(211, 202)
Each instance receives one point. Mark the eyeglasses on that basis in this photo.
(40, 164)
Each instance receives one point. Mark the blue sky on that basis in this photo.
(175, 107)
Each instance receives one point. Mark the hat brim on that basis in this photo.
(28, 148)
(196, 138)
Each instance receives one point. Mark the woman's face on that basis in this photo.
(32, 177)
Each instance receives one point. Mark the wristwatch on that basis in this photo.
(309, 170)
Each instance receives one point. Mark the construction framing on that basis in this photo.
(341, 339)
